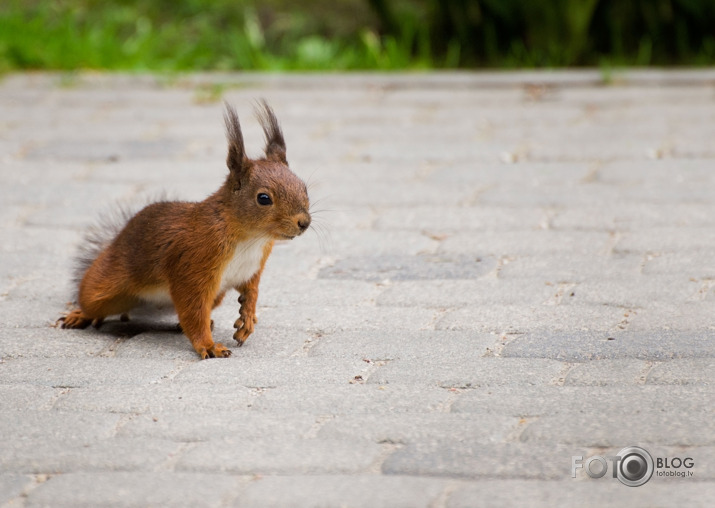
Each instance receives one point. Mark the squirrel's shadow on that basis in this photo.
(144, 336)
(129, 329)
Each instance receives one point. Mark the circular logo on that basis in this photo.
(635, 467)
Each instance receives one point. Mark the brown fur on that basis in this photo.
(184, 248)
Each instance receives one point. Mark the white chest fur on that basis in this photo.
(245, 262)
(158, 297)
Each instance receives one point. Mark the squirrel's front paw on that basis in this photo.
(244, 327)
(218, 350)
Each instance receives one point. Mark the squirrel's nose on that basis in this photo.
(303, 223)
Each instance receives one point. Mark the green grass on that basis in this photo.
(181, 35)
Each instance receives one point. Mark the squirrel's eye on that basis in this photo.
(264, 199)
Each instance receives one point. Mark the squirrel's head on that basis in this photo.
(270, 198)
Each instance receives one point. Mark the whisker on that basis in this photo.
(322, 210)
(309, 182)
(317, 202)
(323, 234)
(323, 224)
(321, 240)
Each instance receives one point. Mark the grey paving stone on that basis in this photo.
(561, 492)
(461, 293)
(593, 144)
(12, 216)
(692, 316)
(104, 150)
(369, 491)
(693, 192)
(567, 267)
(468, 460)
(124, 489)
(76, 216)
(50, 284)
(11, 148)
(27, 397)
(695, 264)
(27, 241)
(683, 371)
(346, 317)
(184, 191)
(141, 171)
(273, 372)
(529, 243)
(74, 372)
(394, 428)
(627, 216)
(535, 175)
(579, 83)
(67, 426)
(400, 344)
(294, 261)
(75, 197)
(50, 343)
(56, 456)
(28, 313)
(408, 150)
(364, 192)
(636, 292)
(532, 401)
(269, 456)
(667, 240)
(522, 319)
(655, 345)
(353, 399)
(589, 431)
(319, 292)
(453, 373)
(399, 267)
(12, 485)
(208, 425)
(442, 219)
(168, 396)
(23, 269)
(692, 148)
(666, 172)
(373, 243)
(606, 373)
(552, 198)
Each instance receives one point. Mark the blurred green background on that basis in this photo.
(176, 35)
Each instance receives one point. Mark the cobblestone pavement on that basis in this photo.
(508, 270)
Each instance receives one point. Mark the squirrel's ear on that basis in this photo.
(275, 144)
(235, 160)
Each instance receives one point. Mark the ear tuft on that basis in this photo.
(236, 150)
(275, 144)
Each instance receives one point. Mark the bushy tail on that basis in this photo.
(99, 236)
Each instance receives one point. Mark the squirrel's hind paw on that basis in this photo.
(75, 319)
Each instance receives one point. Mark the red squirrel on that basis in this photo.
(190, 253)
